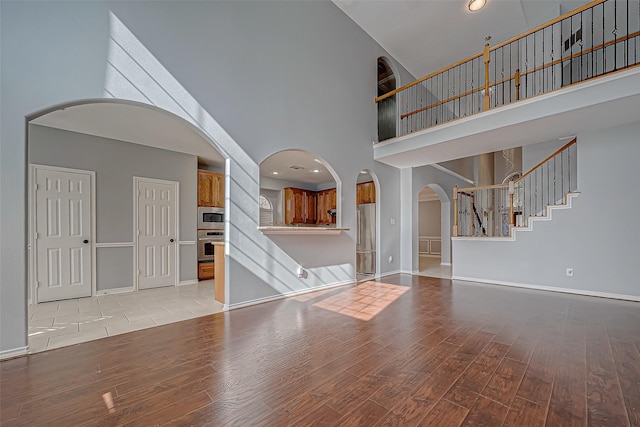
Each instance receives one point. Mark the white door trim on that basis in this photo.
(33, 168)
(176, 184)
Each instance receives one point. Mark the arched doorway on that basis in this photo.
(386, 107)
(433, 235)
(119, 201)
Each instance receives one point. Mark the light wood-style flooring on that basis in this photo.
(401, 351)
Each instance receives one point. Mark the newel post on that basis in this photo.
(455, 211)
(486, 77)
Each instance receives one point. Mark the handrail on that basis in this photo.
(582, 53)
(555, 153)
(428, 76)
(435, 104)
(549, 23)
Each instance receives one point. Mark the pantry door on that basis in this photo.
(156, 219)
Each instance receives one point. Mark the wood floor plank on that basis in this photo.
(504, 383)
(466, 389)
(367, 414)
(605, 405)
(412, 409)
(485, 413)
(169, 411)
(436, 352)
(445, 414)
(568, 405)
(537, 382)
(627, 362)
(324, 416)
(525, 413)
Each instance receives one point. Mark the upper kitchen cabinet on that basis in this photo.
(365, 193)
(299, 206)
(210, 189)
(300, 188)
(326, 202)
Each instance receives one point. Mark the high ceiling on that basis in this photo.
(427, 35)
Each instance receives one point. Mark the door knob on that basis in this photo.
(171, 240)
(85, 241)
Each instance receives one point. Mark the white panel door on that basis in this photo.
(63, 233)
(156, 219)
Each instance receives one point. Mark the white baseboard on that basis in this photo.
(188, 282)
(445, 264)
(115, 291)
(550, 288)
(14, 352)
(388, 273)
(285, 295)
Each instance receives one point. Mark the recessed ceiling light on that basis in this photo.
(475, 5)
(315, 170)
(275, 173)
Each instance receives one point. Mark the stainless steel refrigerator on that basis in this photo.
(366, 239)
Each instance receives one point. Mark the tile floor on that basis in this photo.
(61, 323)
(430, 266)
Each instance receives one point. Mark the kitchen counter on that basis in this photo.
(292, 229)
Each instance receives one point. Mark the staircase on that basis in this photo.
(499, 211)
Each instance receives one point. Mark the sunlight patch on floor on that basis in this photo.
(364, 301)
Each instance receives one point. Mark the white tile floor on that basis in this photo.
(61, 323)
(430, 266)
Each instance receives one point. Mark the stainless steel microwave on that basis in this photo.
(210, 218)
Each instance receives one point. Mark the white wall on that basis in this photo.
(253, 77)
(429, 218)
(597, 237)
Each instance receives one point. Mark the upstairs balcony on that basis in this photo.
(572, 74)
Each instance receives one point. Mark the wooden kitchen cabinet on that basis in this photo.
(205, 270)
(325, 200)
(210, 189)
(310, 207)
(299, 206)
(365, 193)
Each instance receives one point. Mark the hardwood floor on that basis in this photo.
(403, 351)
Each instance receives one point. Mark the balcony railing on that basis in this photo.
(594, 40)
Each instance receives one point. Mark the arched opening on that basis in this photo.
(366, 226)
(387, 114)
(113, 197)
(301, 188)
(433, 233)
